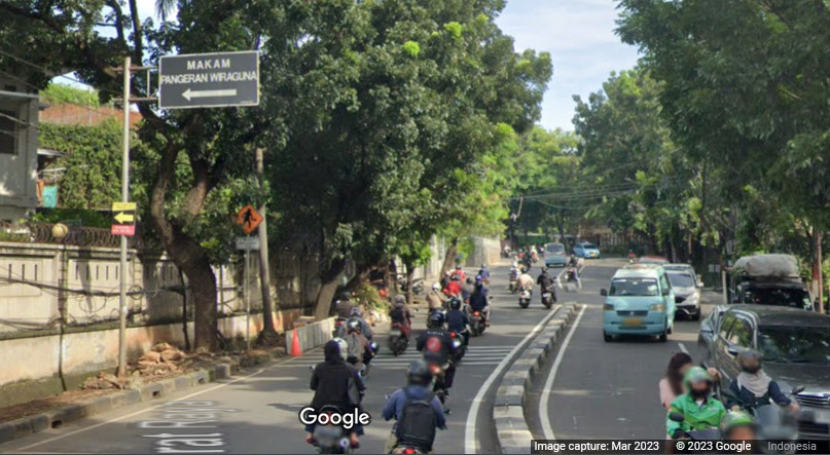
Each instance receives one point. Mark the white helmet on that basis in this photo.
(515, 264)
(436, 286)
(344, 347)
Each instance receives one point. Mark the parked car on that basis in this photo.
(653, 260)
(684, 268)
(795, 346)
(640, 302)
(686, 292)
(555, 255)
(586, 250)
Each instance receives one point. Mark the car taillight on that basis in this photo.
(452, 334)
(435, 369)
(476, 314)
(409, 450)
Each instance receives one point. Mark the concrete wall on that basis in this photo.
(487, 251)
(40, 282)
(309, 336)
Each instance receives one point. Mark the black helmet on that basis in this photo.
(749, 355)
(437, 319)
(353, 325)
(455, 304)
(418, 373)
(345, 295)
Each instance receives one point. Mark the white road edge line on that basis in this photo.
(683, 348)
(544, 402)
(470, 442)
(98, 425)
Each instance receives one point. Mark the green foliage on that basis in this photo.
(454, 29)
(67, 94)
(85, 218)
(412, 48)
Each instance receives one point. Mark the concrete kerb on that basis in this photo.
(55, 418)
(512, 431)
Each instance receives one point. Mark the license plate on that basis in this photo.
(632, 321)
(546, 295)
(593, 255)
(395, 332)
(821, 416)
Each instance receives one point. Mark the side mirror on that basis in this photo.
(732, 350)
(797, 390)
(676, 417)
(603, 292)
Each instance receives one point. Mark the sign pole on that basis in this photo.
(247, 292)
(125, 197)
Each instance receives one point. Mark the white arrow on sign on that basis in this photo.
(188, 94)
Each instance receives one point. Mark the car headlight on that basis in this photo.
(693, 299)
(657, 307)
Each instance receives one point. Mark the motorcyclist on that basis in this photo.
(436, 299)
(436, 343)
(739, 426)
(457, 320)
(480, 302)
(418, 381)
(344, 306)
(700, 411)
(525, 282)
(365, 329)
(467, 289)
(454, 286)
(400, 314)
(358, 343)
(484, 274)
(459, 272)
(547, 283)
(754, 387)
(335, 383)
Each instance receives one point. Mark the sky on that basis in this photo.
(579, 34)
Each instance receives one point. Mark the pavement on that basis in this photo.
(257, 413)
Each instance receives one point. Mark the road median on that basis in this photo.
(512, 430)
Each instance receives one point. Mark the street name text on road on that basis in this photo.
(221, 79)
(123, 218)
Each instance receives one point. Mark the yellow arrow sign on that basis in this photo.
(123, 218)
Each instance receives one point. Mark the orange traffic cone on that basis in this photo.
(295, 345)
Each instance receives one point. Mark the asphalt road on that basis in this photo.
(257, 413)
(606, 390)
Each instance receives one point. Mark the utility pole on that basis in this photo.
(125, 197)
(264, 270)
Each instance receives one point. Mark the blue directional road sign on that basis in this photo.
(220, 79)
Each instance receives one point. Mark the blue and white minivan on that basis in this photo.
(640, 302)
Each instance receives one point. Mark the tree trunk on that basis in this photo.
(449, 258)
(329, 286)
(187, 253)
(817, 272)
(410, 273)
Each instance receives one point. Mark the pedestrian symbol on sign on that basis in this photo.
(248, 218)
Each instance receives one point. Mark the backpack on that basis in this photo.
(398, 315)
(355, 346)
(417, 423)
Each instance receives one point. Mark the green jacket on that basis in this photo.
(697, 417)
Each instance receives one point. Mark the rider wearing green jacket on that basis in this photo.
(700, 411)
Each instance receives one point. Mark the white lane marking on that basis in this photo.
(107, 422)
(544, 416)
(683, 348)
(470, 442)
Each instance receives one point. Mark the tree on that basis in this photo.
(212, 143)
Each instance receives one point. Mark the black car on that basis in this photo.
(795, 345)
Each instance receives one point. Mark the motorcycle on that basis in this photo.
(571, 275)
(458, 347)
(709, 434)
(439, 387)
(547, 299)
(774, 422)
(369, 355)
(524, 298)
(331, 438)
(407, 449)
(514, 279)
(477, 323)
(397, 342)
